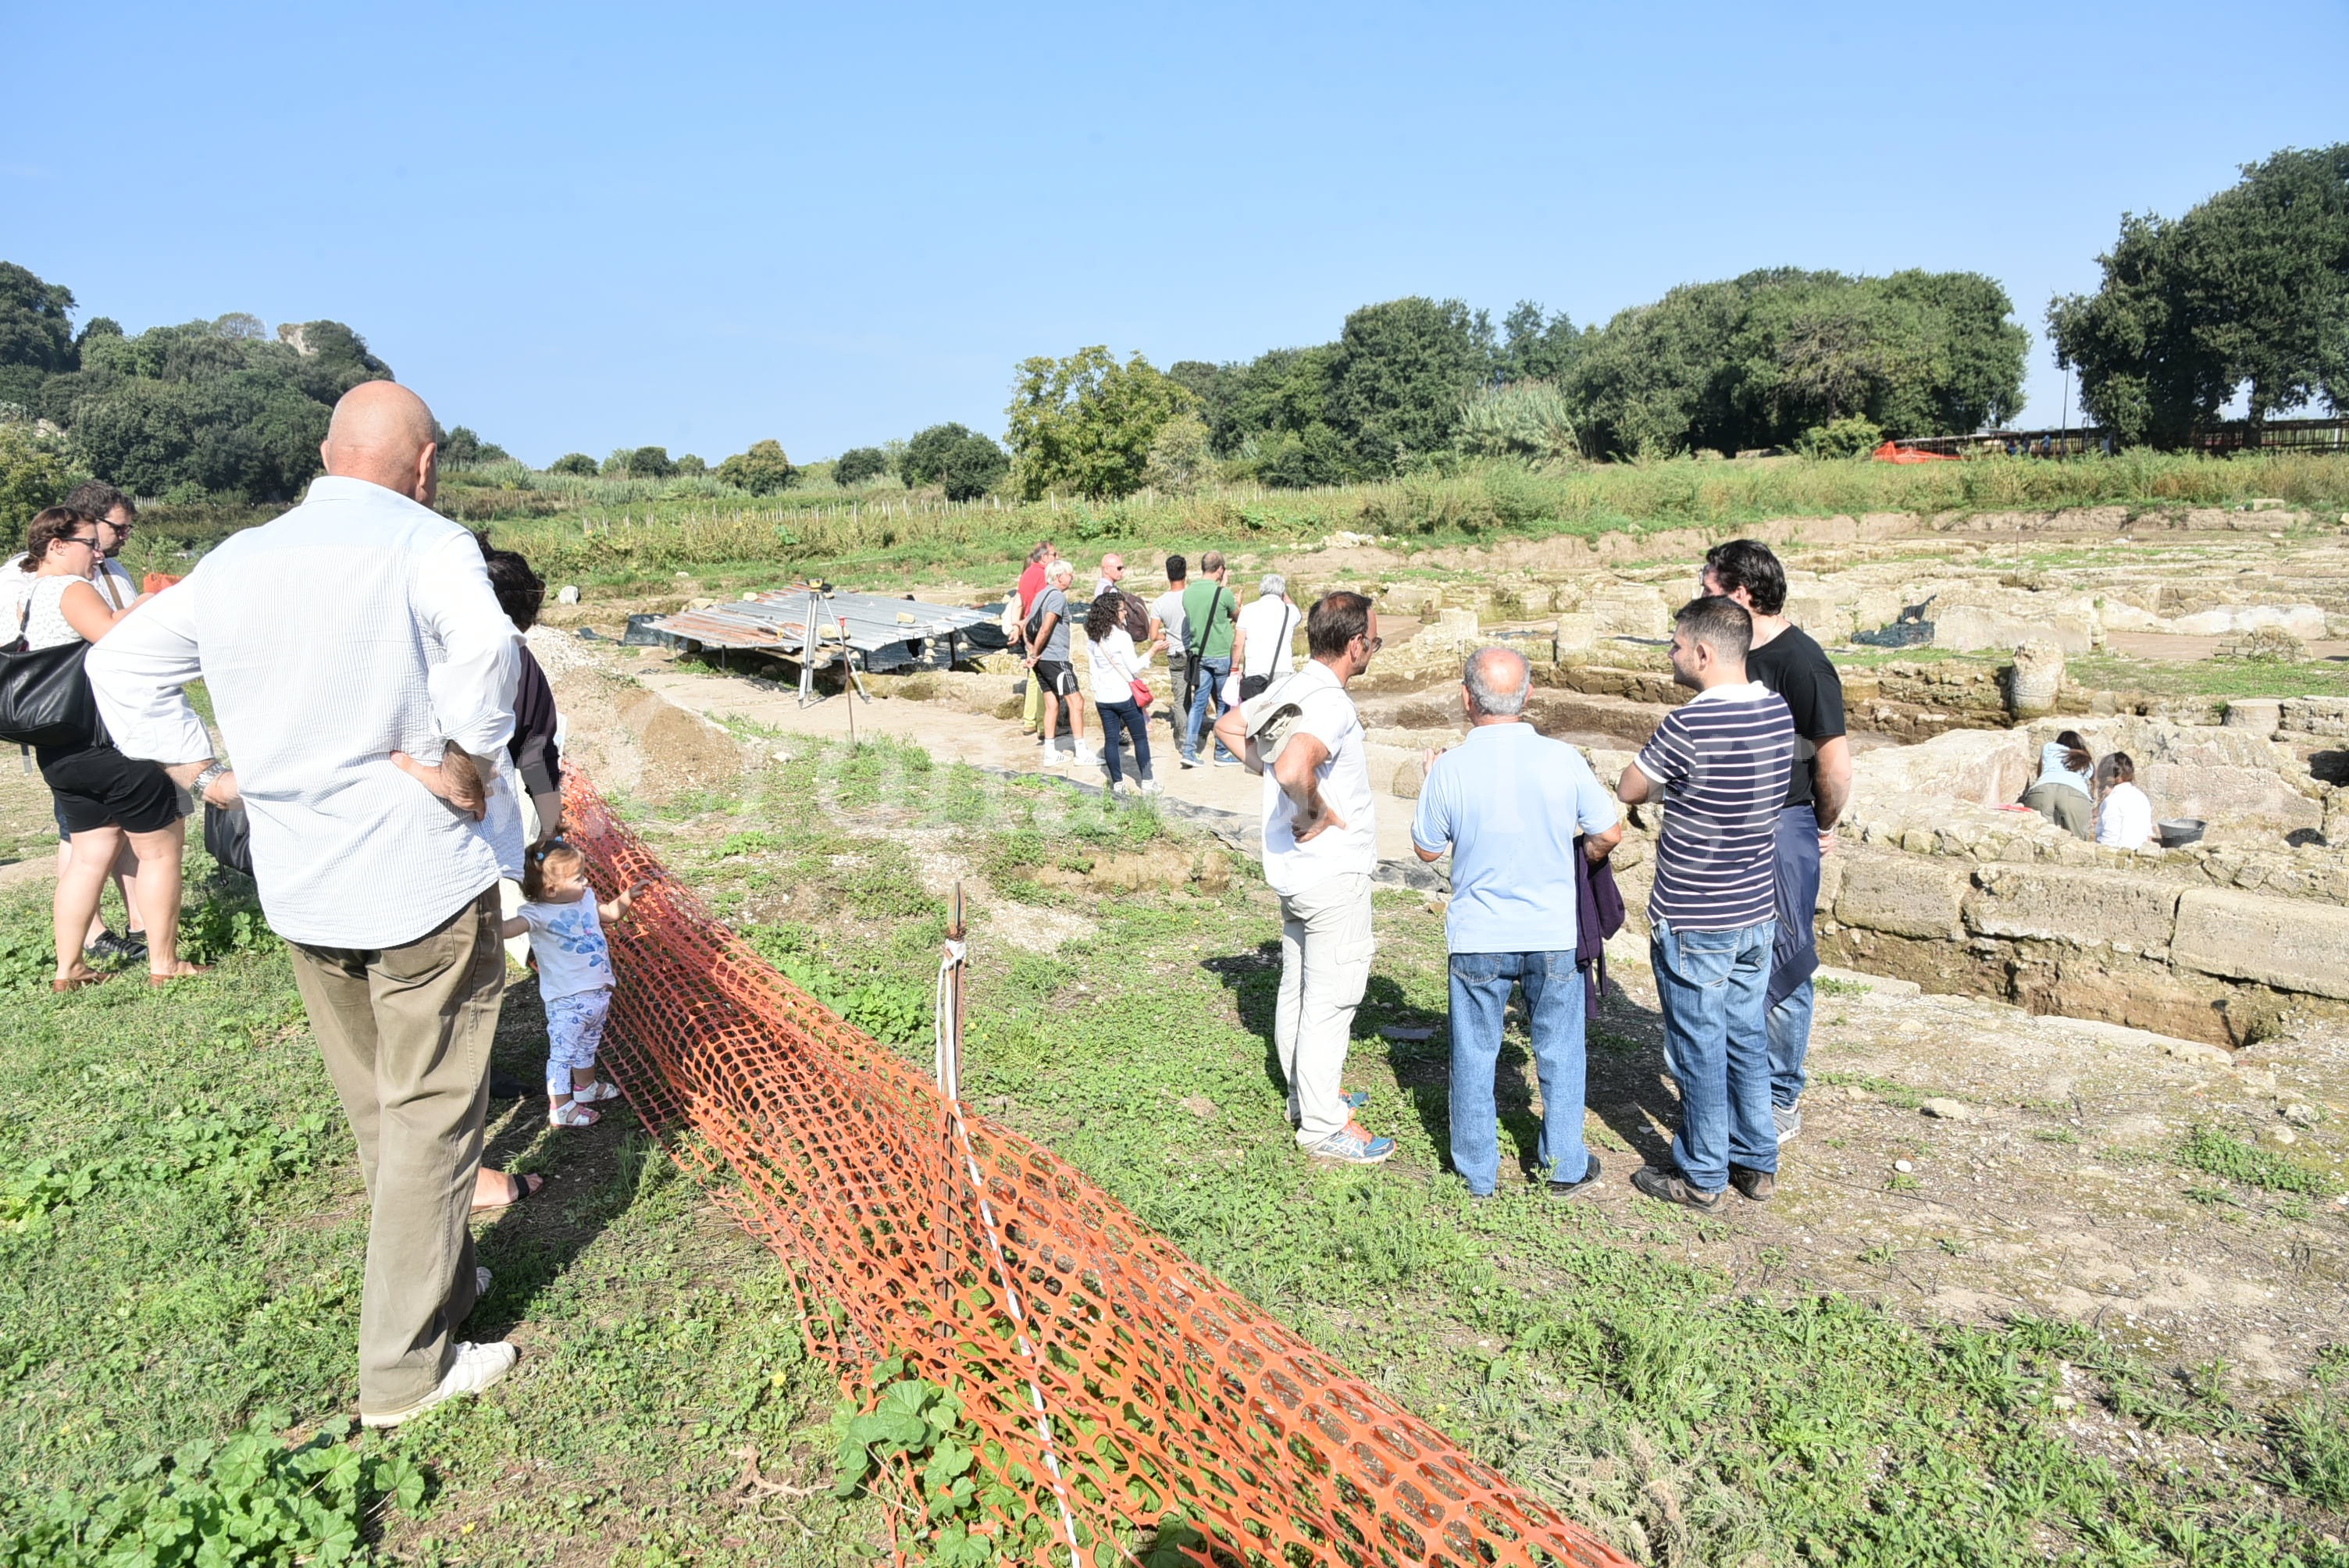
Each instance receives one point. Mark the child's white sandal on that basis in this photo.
(594, 1092)
(571, 1113)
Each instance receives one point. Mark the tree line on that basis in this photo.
(2246, 294)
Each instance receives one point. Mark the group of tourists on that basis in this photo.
(1752, 772)
(397, 777)
(1218, 652)
(2098, 800)
(390, 791)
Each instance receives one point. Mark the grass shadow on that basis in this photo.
(592, 1172)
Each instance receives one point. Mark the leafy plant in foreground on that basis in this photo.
(250, 1501)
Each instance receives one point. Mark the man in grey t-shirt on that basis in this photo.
(1048, 658)
(1167, 620)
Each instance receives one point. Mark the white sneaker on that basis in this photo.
(1153, 787)
(1088, 759)
(481, 1278)
(1051, 757)
(476, 1367)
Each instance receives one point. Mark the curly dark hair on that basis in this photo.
(49, 525)
(1105, 612)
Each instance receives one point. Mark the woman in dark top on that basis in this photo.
(101, 795)
(538, 762)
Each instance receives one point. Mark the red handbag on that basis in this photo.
(1143, 695)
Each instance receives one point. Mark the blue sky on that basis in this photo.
(581, 227)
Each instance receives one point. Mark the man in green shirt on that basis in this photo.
(1209, 610)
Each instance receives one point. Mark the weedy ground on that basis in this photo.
(181, 1226)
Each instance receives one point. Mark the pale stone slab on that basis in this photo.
(2290, 943)
(1905, 896)
(2087, 908)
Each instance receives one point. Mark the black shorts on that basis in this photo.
(97, 787)
(1057, 678)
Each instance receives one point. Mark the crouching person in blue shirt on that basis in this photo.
(1508, 804)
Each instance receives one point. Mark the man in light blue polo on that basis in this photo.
(1508, 804)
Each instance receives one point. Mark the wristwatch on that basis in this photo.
(204, 779)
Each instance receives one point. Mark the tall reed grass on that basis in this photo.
(596, 527)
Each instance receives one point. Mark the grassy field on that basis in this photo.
(181, 1227)
(611, 530)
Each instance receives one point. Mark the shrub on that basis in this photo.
(859, 465)
(579, 463)
(1854, 436)
(971, 467)
(650, 463)
(33, 474)
(689, 464)
(761, 470)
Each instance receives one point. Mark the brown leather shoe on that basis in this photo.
(1755, 1184)
(77, 981)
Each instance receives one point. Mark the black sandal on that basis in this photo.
(527, 1184)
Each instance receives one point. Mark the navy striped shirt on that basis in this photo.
(1726, 758)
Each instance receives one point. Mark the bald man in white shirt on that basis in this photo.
(343, 645)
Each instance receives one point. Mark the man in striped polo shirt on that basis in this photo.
(1719, 766)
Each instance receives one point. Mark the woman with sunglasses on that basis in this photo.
(101, 795)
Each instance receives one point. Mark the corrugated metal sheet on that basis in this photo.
(883, 633)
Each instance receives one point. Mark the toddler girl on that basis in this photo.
(566, 926)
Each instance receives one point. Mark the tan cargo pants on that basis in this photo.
(405, 1033)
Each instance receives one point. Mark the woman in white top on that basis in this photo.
(101, 795)
(1264, 636)
(1117, 664)
(2123, 816)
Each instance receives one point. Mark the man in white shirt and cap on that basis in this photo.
(1320, 846)
(363, 675)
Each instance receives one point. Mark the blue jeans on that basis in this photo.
(1790, 1042)
(1208, 698)
(1714, 987)
(1481, 984)
(1794, 950)
(1125, 715)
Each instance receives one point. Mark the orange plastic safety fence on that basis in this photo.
(1167, 1391)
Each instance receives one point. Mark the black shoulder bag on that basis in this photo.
(45, 696)
(1194, 658)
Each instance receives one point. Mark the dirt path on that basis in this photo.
(952, 734)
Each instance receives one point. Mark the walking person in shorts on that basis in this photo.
(1718, 765)
(1049, 665)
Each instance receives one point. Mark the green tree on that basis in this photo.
(924, 462)
(859, 465)
(2247, 293)
(691, 464)
(1759, 360)
(1180, 461)
(761, 470)
(34, 473)
(1536, 346)
(460, 448)
(970, 467)
(36, 333)
(1399, 374)
(579, 463)
(650, 463)
(1085, 424)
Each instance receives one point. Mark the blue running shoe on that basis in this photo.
(1354, 1145)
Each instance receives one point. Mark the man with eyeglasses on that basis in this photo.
(116, 517)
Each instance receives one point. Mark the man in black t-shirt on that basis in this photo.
(1788, 661)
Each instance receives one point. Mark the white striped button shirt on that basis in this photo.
(358, 624)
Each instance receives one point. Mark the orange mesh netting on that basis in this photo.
(1085, 1347)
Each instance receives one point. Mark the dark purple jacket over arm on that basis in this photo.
(532, 747)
